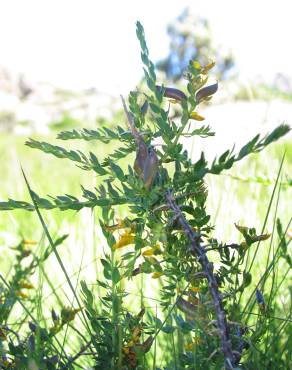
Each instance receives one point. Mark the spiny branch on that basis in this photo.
(198, 251)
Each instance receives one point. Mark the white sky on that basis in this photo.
(85, 43)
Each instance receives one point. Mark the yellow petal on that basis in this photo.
(207, 68)
(29, 242)
(136, 334)
(68, 314)
(156, 275)
(20, 294)
(126, 239)
(148, 252)
(126, 350)
(26, 285)
(196, 116)
(191, 345)
(157, 246)
(195, 289)
(196, 64)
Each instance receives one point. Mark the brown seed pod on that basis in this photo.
(150, 168)
(141, 155)
(145, 346)
(170, 92)
(206, 92)
(144, 107)
(137, 270)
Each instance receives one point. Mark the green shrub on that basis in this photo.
(208, 317)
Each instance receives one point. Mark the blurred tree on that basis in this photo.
(191, 39)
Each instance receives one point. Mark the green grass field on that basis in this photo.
(243, 192)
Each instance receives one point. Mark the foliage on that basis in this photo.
(206, 293)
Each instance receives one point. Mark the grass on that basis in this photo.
(49, 175)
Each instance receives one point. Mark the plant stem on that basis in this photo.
(198, 251)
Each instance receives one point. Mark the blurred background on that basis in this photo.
(61, 61)
(63, 65)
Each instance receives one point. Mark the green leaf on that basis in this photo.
(247, 278)
(278, 132)
(88, 194)
(168, 329)
(117, 171)
(107, 269)
(55, 150)
(96, 166)
(116, 277)
(102, 284)
(248, 148)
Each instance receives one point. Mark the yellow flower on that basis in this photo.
(153, 250)
(196, 64)
(157, 246)
(125, 239)
(20, 294)
(126, 350)
(207, 68)
(25, 285)
(68, 314)
(289, 233)
(203, 70)
(136, 334)
(196, 116)
(29, 242)
(190, 346)
(156, 275)
(148, 252)
(195, 289)
(254, 238)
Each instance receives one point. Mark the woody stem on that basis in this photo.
(197, 250)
